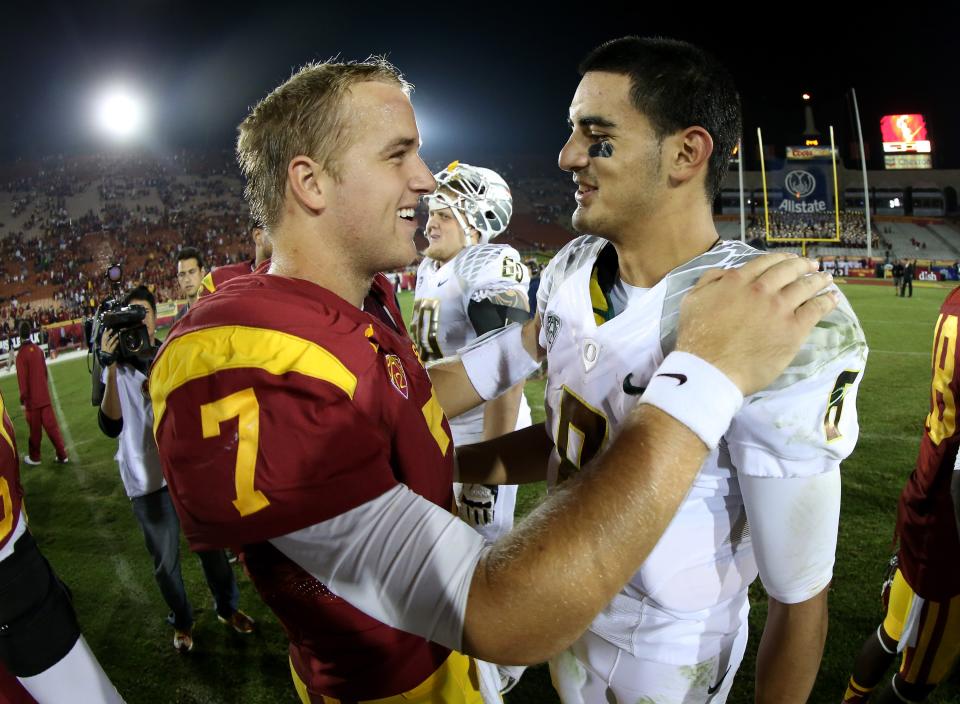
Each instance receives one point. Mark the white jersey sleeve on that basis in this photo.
(805, 423)
(793, 528)
(495, 272)
(787, 444)
(399, 558)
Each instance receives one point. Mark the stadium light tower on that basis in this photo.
(120, 113)
(811, 135)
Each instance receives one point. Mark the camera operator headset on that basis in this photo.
(126, 349)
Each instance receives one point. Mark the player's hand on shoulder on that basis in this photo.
(750, 322)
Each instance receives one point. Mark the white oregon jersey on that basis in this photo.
(441, 324)
(805, 423)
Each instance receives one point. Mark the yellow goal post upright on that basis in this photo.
(772, 236)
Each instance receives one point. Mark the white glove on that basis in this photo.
(477, 502)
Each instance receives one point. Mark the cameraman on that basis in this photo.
(125, 399)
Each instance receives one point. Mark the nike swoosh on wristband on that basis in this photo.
(713, 690)
(681, 378)
(630, 389)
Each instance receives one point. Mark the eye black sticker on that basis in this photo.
(600, 149)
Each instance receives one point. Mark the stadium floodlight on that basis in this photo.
(120, 112)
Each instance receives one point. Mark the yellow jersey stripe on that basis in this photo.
(601, 308)
(3, 429)
(207, 283)
(204, 352)
(433, 414)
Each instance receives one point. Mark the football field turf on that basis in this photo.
(83, 523)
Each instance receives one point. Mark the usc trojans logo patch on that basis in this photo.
(397, 376)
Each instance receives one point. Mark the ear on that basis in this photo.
(690, 156)
(306, 183)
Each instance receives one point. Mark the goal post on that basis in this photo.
(807, 185)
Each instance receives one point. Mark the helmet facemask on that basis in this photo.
(479, 198)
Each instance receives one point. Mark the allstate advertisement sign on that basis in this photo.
(806, 188)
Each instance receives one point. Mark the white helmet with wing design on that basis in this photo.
(479, 197)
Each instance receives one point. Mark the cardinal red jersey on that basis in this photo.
(929, 547)
(32, 377)
(11, 492)
(279, 405)
(219, 276)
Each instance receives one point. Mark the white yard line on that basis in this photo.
(121, 566)
(65, 429)
(865, 321)
(895, 438)
(65, 357)
(899, 353)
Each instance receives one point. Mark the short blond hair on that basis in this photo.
(304, 115)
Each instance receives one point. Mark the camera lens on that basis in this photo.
(131, 341)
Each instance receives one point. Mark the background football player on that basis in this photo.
(263, 249)
(467, 287)
(40, 640)
(923, 600)
(190, 272)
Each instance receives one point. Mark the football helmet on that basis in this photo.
(479, 197)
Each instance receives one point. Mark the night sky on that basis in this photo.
(489, 79)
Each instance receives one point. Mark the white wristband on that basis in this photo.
(696, 393)
(496, 361)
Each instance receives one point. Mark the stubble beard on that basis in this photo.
(586, 224)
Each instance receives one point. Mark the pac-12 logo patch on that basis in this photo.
(397, 376)
(552, 326)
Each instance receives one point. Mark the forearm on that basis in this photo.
(540, 587)
(110, 405)
(790, 650)
(457, 393)
(500, 414)
(519, 457)
(453, 388)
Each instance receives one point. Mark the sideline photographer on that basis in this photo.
(125, 412)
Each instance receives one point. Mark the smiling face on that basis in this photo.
(381, 179)
(615, 190)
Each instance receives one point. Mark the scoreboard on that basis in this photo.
(906, 144)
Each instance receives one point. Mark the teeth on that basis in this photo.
(407, 213)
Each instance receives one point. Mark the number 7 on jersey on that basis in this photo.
(244, 406)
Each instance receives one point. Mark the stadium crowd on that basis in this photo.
(853, 227)
(71, 218)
